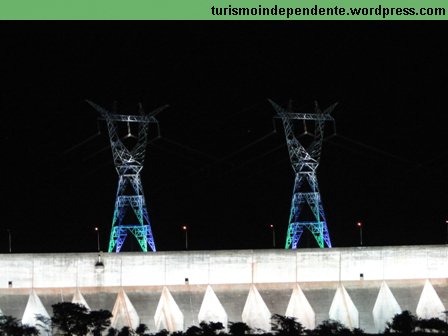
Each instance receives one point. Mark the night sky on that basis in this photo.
(219, 167)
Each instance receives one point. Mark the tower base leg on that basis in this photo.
(142, 233)
(318, 229)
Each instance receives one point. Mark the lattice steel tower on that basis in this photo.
(129, 163)
(304, 163)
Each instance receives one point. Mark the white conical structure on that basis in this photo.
(430, 305)
(79, 298)
(168, 315)
(124, 313)
(255, 313)
(300, 308)
(385, 308)
(343, 309)
(35, 307)
(211, 308)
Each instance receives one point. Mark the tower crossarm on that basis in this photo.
(142, 118)
(317, 115)
(131, 118)
(149, 118)
(305, 116)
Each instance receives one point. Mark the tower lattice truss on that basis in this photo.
(129, 163)
(307, 211)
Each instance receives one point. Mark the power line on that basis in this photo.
(374, 149)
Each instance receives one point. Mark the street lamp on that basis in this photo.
(360, 232)
(186, 236)
(446, 232)
(9, 237)
(98, 238)
(273, 234)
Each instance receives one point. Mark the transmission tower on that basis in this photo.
(129, 164)
(304, 163)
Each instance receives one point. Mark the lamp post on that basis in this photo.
(9, 238)
(98, 238)
(446, 242)
(186, 236)
(360, 232)
(273, 234)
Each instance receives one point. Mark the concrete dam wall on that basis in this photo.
(361, 287)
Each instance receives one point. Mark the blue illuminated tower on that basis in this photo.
(304, 163)
(129, 163)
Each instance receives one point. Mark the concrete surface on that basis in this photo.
(186, 275)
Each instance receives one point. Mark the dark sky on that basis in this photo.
(219, 168)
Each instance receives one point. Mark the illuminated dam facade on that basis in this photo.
(361, 286)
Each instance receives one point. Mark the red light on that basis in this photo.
(359, 224)
(271, 226)
(184, 227)
(96, 229)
